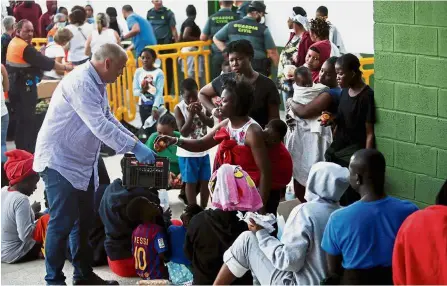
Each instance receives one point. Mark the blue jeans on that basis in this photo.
(71, 216)
(5, 121)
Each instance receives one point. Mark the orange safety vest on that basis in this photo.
(14, 55)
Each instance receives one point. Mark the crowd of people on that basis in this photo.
(345, 229)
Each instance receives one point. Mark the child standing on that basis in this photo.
(149, 243)
(148, 84)
(179, 266)
(280, 158)
(55, 50)
(192, 121)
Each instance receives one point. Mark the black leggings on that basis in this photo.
(24, 103)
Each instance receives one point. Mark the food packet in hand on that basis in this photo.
(160, 146)
(325, 118)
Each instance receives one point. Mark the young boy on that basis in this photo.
(168, 126)
(149, 243)
(281, 161)
(179, 266)
(192, 121)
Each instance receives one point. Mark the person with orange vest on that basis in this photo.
(24, 64)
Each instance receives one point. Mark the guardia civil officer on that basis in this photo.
(163, 22)
(214, 23)
(250, 28)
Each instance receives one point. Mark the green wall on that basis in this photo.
(410, 39)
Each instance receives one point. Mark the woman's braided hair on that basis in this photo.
(320, 28)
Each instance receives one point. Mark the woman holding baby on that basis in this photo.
(306, 140)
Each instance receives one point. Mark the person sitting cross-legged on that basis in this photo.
(17, 215)
(297, 258)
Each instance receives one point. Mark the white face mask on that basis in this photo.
(61, 25)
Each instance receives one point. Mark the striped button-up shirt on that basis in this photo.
(77, 121)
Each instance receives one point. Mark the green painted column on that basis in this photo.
(410, 44)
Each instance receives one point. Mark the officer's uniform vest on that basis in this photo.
(160, 23)
(14, 55)
(250, 30)
(218, 20)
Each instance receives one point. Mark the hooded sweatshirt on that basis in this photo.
(209, 234)
(299, 249)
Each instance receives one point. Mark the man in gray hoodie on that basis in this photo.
(297, 258)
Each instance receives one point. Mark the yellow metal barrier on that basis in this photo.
(39, 42)
(173, 51)
(367, 73)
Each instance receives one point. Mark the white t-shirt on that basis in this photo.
(76, 52)
(53, 51)
(199, 132)
(17, 225)
(106, 37)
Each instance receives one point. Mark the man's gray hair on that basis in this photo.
(58, 17)
(8, 22)
(110, 51)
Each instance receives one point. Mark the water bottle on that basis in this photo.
(290, 194)
(164, 199)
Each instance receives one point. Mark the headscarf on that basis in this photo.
(18, 166)
(324, 48)
(232, 189)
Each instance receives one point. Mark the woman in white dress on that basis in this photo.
(101, 35)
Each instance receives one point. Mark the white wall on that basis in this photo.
(354, 19)
(141, 8)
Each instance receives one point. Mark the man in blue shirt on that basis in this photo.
(140, 30)
(67, 150)
(360, 238)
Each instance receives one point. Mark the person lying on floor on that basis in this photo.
(118, 226)
(297, 258)
(17, 215)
